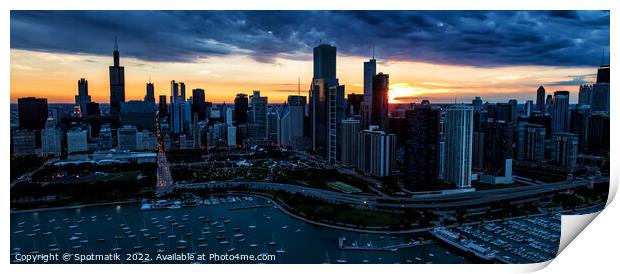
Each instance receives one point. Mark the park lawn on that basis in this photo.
(343, 187)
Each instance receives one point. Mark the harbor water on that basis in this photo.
(227, 225)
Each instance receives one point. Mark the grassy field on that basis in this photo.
(343, 187)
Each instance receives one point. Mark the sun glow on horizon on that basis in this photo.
(54, 76)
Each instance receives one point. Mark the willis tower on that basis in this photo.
(117, 83)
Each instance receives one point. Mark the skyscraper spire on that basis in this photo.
(373, 52)
(116, 54)
(298, 86)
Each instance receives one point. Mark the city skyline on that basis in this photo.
(439, 75)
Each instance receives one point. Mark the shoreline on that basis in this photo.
(279, 205)
(33, 210)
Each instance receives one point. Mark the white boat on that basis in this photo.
(463, 244)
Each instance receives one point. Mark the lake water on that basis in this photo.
(94, 230)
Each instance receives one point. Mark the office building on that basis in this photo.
(458, 145)
(117, 83)
(370, 70)
(92, 109)
(82, 98)
(231, 136)
(564, 149)
(138, 113)
(150, 93)
(354, 103)
(105, 137)
(477, 104)
(241, 108)
(379, 110)
(530, 142)
(540, 100)
(585, 95)
(421, 164)
(349, 142)
(336, 105)
(77, 141)
(163, 106)
(23, 142)
(259, 114)
(32, 113)
(498, 153)
(599, 133)
(528, 109)
(324, 77)
(198, 103)
(600, 97)
(377, 152)
(51, 139)
(127, 137)
(560, 112)
(579, 124)
(176, 109)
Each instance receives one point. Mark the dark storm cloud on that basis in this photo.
(478, 38)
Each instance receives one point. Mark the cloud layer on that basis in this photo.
(477, 38)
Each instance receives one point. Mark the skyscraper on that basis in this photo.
(540, 100)
(198, 103)
(498, 152)
(477, 103)
(530, 142)
(458, 145)
(82, 98)
(259, 114)
(335, 110)
(529, 108)
(150, 93)
(127, 138)
(325, 63)
(585, 94)
(564, 149)
(599, 133)
(324, 77)
(32, 113)
(560, 112)
(422, 145)
(354, 103)
(370, 70)
(137, 113)
(377, 152)
(579, 124)
(117, 83)
(600, 91)
(291, 122)
(379, 110)
(349, 149)
(548, 103)
(176, 120)
(163, 106)
(77, 141)
(241, 108)
(51, 139)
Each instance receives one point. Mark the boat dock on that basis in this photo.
(370, 247)
(250, 207)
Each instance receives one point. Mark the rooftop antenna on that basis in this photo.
(149, 78)
(298, 87)
(373, 52)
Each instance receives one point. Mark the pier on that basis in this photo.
(250, 207)
(370, 247)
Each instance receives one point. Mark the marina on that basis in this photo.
(208, 227)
